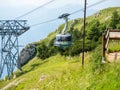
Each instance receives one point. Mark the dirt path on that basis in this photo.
(113, 57)
(13, 83)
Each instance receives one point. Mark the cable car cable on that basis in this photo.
(88, 6)
(44, 22)
(70, 14)
(35, 9)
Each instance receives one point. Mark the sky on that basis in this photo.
(10, 9)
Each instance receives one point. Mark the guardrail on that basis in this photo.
(106, 36)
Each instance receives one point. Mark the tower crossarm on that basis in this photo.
(13, 27)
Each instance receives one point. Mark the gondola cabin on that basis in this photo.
(63, 40)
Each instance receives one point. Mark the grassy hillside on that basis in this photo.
(65, 72)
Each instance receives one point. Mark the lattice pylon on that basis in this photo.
(9, 31)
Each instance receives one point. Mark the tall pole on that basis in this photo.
(83, 45)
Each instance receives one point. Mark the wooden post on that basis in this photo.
(103, 46)
(83, 44)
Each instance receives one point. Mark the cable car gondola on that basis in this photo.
(63, 39)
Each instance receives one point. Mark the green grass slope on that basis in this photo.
(66, 73)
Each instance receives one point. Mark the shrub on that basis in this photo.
(115, 20)
(95, 60)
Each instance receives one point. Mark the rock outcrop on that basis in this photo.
(27, 53)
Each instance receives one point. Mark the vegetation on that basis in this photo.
(115, 20)
(104, 75)
(114, 46)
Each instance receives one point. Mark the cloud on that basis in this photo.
(35, 3)
(55, 4)
(22, 3)
(62, 3)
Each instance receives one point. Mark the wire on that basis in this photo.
(44, 22)
(88, 6)
(70, 13)
(35, 9)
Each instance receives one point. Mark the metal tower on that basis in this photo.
(9, 31)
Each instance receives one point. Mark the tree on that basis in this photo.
(42, 51)
(115, 19)
(93, 32)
